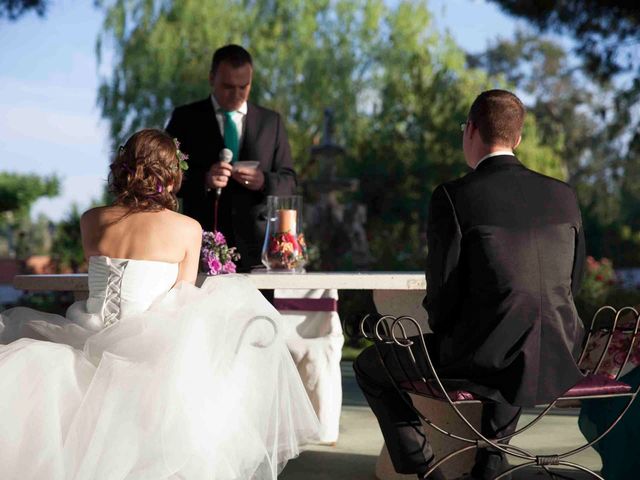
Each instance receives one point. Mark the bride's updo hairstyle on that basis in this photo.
(146, 174)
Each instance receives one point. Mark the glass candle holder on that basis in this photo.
(284, 248)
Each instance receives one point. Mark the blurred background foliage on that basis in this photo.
(398, 88)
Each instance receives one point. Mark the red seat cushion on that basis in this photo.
(597, 384)
(432, 390)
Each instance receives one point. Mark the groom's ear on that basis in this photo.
(517, 142)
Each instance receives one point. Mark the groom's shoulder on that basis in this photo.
(475, 179)
(451, 187)
(552, 182)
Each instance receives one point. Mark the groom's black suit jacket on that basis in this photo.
(242, 212)
(506, 255)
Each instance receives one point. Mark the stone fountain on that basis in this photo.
(334, 226)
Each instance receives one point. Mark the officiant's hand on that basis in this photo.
(218, 175)
(251, 178)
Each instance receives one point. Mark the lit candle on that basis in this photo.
(287, 220)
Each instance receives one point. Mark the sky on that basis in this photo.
(49, 76)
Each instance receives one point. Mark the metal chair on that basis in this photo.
(595, 385)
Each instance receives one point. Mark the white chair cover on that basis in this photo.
(313, 334)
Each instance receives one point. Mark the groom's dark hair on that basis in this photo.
(499, 116)
(235, 55)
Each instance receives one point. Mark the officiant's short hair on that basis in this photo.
(499, 117)
(233, 54)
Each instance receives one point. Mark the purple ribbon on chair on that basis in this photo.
(306, 304)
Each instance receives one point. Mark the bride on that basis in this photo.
(150, 378)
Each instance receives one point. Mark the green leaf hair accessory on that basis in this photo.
(182, 157)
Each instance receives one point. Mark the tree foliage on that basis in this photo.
(605, 31)
(14, 9)
(32, 237)
(398, 90)
(19, 191)
(308, 54)
(606, 39)
(66, 250)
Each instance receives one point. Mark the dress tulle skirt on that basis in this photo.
(199, 386)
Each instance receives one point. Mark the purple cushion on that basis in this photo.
(591, 385)
(306, 304)
(432, 390)
(597, 384)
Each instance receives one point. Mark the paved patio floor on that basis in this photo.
(355, 455)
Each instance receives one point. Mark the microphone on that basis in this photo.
(226, 155)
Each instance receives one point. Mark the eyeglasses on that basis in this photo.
(463, 126)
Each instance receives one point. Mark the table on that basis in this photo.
(340, 280)
(393, 292)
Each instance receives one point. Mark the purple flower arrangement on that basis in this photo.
(216, 257)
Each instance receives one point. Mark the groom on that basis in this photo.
(506, 253)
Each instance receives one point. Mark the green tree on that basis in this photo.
(33, 237)
(413, 142)
(66, 250)
(398, 90)
(18, 191)
(606, 37)
(14, 9)
(163, 52)
(606, 32)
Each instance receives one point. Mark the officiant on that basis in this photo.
(227, 120)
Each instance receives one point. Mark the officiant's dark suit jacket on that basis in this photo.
(506, 255)
(241, 212)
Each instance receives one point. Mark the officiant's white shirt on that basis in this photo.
(238, 117)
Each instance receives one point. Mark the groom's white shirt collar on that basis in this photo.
(216, 107)
(494, 154)
(237, 119)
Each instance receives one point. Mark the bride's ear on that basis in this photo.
(170, 188)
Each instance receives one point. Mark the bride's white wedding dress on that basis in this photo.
(147, 382)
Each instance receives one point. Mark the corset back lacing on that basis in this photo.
(111, 307)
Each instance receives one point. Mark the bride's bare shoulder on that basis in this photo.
(121, 217)
(92, 215)
(183, 222)
(100, 215)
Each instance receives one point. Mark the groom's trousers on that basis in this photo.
(402, 430)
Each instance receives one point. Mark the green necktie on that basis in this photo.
(231, 139)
